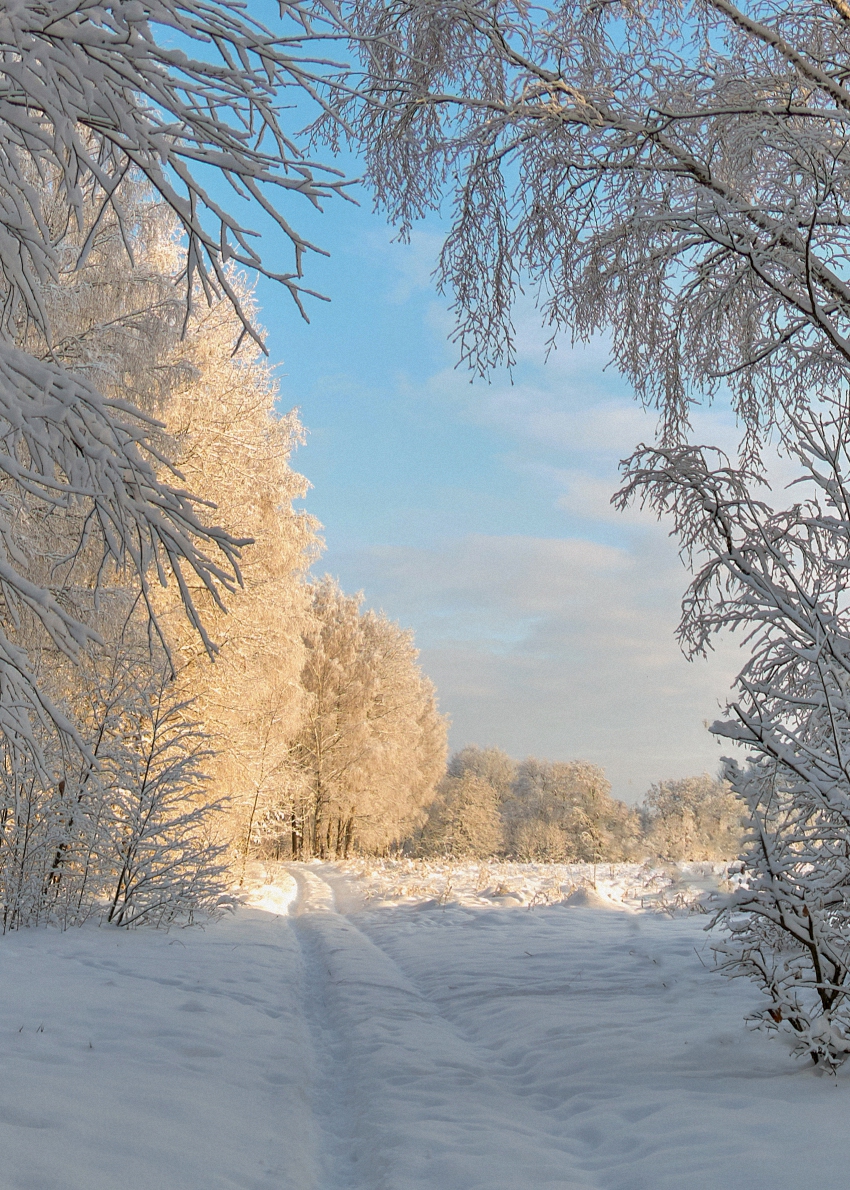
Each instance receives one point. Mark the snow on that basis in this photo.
(672, 888)
(152, 1060)
(338, 1033)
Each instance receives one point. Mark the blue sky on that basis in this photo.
(478, 515)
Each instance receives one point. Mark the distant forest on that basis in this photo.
(491, 805)
(488, 805)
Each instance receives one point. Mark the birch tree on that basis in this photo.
(235, 450)
(219, 425)
(673, 174)
(779, 576)
(373, 744)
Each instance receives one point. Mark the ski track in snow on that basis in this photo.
(580, 1048)
(428, 1105)
(313, 1043)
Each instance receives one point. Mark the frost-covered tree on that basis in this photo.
(125, 826)
(235, 450)
(693, 818)
(675, 174)
(563, 811)
(91, 94)
(372, 746)
(780, 576)
(121, 326)
(558, 812)
(463, 820)
(490, 764)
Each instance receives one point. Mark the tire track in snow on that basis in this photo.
(405, 1102)
(346, 1160)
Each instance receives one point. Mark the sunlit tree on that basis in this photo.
(372, 746)
(693, 818)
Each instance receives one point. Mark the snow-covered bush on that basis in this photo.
(693, 818)
(125, 826)
(160, 854)
(780, 577)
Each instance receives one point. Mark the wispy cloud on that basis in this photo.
(479, 514)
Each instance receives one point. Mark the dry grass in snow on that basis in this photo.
(669, 888)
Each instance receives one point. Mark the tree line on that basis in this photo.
(490, 805)
(277, 712)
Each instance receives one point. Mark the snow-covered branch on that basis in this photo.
(675, 174)
(781, 577)
(179, 91)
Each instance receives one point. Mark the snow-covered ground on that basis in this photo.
(671, 888)
(394, 1027)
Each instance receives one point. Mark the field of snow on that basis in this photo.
(672, 888)
(407, 1027)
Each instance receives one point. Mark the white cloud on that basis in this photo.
(559, 642)
(574, 413)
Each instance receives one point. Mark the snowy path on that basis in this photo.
(409, 1102)
(561, 1048)
(311, 1043)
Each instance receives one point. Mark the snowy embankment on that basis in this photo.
(351, 1029)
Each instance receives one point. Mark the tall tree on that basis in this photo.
(373, 744)
(91, 93)
(219, 425)
(234, 449)
(221, 731)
